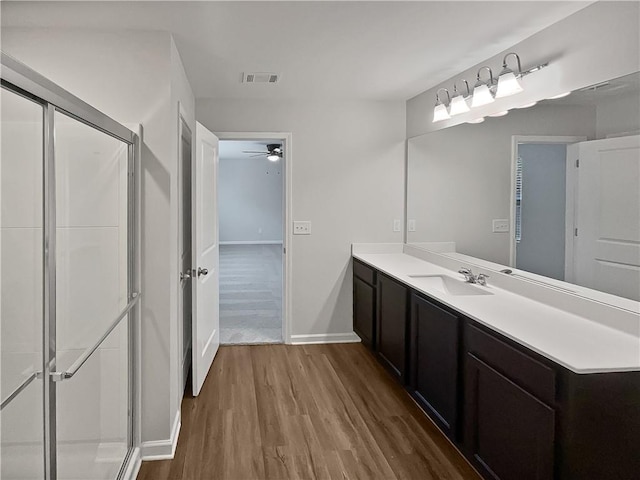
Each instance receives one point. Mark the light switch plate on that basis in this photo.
(302, 228)
(397, 225)
(412, 225)
(501, 226)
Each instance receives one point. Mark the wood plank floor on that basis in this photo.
(305, 412)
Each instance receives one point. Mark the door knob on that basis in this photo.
(202, 271)
(185, 275)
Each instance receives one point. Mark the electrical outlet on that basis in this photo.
(301, 228)
(412, 225)
(397, 225)
(501, 226)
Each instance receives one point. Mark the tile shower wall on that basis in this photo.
(91, 255)
(21, 427)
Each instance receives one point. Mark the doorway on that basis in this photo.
(542, 199)
(252, 240)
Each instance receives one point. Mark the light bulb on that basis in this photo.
(273, 157)
(481, 96)
(458, 105)
(477, 120)
(440, 113)
(508, 84)
(499, 114)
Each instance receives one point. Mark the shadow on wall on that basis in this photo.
(339, 300)
(153, 329)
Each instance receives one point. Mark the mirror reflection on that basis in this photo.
(553, 189)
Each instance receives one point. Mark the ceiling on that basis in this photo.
(345, 50)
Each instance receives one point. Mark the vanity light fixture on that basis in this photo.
(477, 120)
(562, 95)
(440, 110)
(482, 94)
(499, 114)
(459, 101)
(508, 82)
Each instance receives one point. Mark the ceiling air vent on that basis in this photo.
(260, 77)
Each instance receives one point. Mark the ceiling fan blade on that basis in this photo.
(258, 155)
(253, 151)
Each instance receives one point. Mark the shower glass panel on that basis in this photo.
(21, 279)
(91, 170)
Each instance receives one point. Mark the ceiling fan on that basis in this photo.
(273, 153)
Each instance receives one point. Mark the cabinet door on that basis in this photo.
(392, 324)
(364, 300)
(434, 362)
(509, 433)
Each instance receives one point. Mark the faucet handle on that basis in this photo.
(481, 278)
(465, 271)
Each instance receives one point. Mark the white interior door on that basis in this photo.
(206, 321)
(607, 248)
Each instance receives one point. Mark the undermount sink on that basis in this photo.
(448, 285)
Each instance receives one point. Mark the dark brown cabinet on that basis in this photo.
(515, 414)
(364, 303)
(509, 433)
(434, 362)
(391, 325)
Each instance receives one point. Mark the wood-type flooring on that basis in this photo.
(305, 412)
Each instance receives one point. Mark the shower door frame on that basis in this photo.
(21, 80)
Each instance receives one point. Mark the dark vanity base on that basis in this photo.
(514, 414)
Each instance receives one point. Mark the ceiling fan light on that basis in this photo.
(440, 113)
(477, 120)
(508, 84)
(458, 105)
(273, 157)
(499, 114)
(482, 95)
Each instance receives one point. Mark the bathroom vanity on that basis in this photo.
(527, 384)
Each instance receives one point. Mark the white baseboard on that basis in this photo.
(252, 242)
(350, 337)
(162, 449)
(133, 467)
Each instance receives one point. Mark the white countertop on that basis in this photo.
(579, 344)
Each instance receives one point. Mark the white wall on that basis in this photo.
(347, 167)
(136, 78)
(595, 44)
(250, 199)
(459, 179)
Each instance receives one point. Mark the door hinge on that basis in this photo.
(284, 250)
(575, 232)
(578, 163)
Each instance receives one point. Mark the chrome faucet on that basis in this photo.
(468, 275)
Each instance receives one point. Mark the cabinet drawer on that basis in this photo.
(533, 376)
(364, 272)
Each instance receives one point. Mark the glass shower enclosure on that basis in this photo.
(68, 282)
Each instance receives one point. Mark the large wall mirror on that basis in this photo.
(551, 190)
